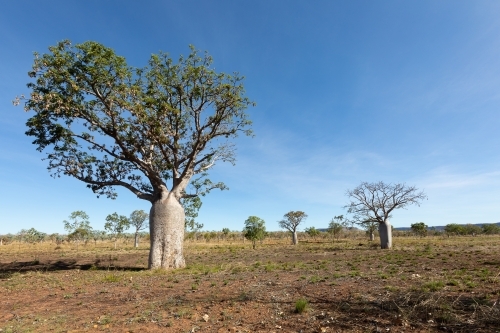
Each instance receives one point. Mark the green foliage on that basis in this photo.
(192, 206)
(80, 234)
(292, 219)
(254, 229)
(312, 232)
(78, 227)
(77, 220)
(138, 219)
(116, 225)
(98, 235)
(301, 305)
(137, 127)
(370, 226)
(433, 285)
(491, 229)
(419, 228)
(336, 226)
(111, 278)
(471, 229)
(454, 229)
(32, 235)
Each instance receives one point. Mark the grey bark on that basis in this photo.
(136, 240)
(295, 240)
(372, 236)
(385, 232)
(166, 225)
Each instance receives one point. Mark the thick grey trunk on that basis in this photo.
(136, 240)
(385, 232)
(372, 236)
(295, 240)
(166, 225)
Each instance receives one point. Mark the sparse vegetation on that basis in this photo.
(231, 283)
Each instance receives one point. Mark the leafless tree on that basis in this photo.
(374, 202)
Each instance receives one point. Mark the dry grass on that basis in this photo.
(422, 285)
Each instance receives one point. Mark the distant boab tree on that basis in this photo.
(155, 131)
(374, 202)
(291, 221)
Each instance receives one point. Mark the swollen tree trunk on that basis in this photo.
(136, 241)
(295, 240)
(166, 225)
(372, 236)
(385, 232)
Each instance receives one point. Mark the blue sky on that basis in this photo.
(346, 91)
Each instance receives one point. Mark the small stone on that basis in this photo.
(205, 317)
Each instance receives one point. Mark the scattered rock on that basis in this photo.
(205, 317)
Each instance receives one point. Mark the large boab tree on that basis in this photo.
(374, 202)
(154, 130)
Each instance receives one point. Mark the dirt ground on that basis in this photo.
(422, 285)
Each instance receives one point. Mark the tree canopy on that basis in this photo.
(255, 229)
(110, 124)
(376, 201)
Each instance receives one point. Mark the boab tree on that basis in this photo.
(152, 130)
(291, 221)
(374, 202)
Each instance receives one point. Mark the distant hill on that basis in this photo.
(436, 227)
(441, 227)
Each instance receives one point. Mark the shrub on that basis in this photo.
(301, 305)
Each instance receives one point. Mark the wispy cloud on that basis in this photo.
(444, 178)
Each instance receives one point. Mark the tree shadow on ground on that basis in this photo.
(60, 265)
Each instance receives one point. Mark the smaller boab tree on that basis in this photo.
(291, 221)
(376, 202)
(254, 230)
